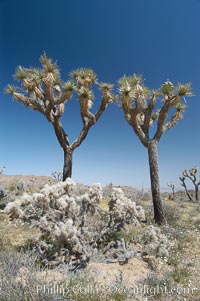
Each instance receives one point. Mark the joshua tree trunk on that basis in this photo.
(155, 185)
(196, 192)
(67, 167)
(64, 143)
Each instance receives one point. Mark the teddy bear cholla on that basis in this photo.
(69, 224)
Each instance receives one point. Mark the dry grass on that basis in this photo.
(14, 235)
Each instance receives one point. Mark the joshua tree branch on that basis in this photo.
(137, 127)
(63, 98)
(174, 120)
(147, 115)
(182, 179)
(60, 134)
(161, 119)
(86, 127)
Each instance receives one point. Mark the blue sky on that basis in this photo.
(159, 39)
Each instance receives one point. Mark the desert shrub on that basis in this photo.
(11, 187)
(181, 275)
(132, 234)
(19, 274)
(145, 196)
(172, 214)
(154, 281)
(74, 228)
(172, 285)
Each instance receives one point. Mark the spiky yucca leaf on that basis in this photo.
(124, 80)
(84, 73)
(48, 65)
(51, 68)
(85, 93)
(125, 87)
(74, 74)
(105, 87)
(69, 86)
(57, 80)
(20, 73)
(136, 79)
(167, 88)
(44, 60)
(146, 91)
(125, 92)
(180, 106)
(91, 74)
(33, 71)
(10, 89)
(184, 90)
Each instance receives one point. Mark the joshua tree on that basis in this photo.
(191, 174)
(57, 175)
(172, 186)
(2, 170)
(143, 108)
(43, 90)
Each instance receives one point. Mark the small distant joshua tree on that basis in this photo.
(191, 175)
(2, 170)
(172, 186)
(57, 175)
(144, 107)
(43, 90)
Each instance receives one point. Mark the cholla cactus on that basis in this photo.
(72, 225)
(66, 234)
(43, 90)
(192, 176)
(122, 210)
(144, 107)
(14, 210)
(156, 243)
(96, 193)
(89, 201)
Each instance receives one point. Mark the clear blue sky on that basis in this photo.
(160, 39)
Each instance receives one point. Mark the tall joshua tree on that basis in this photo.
(143, 108)
(42, 89)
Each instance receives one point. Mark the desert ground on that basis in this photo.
(136, 260)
